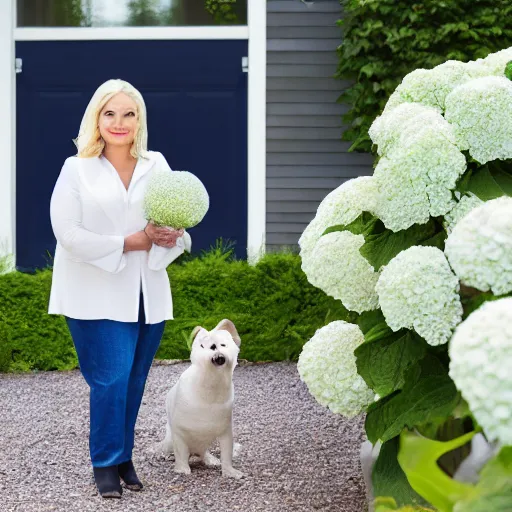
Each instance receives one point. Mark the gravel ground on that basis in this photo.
(296, 455)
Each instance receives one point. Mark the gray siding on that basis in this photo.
(305, 157)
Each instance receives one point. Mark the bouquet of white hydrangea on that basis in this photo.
(422, 252)
(177, 199)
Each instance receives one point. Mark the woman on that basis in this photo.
(109, 275)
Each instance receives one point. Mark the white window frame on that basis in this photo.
(254, 32)
(128, 33)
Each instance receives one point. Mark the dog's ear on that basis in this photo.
(194, 333)
(228, 325)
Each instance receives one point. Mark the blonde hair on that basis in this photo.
(89, 141)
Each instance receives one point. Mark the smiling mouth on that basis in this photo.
(119, 133)
(218, 360)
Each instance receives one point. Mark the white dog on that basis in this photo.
(200, 405)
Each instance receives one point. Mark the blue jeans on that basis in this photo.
(115, 359)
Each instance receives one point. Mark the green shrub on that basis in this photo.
(5, 349)
(384, 40)
(272, 304)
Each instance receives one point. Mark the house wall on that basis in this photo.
(306, 158)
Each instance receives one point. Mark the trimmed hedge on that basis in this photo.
(384, 40)
(272, 304)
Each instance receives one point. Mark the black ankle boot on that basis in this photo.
(107, 482)
(127, 473)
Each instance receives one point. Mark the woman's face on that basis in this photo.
(118, 121)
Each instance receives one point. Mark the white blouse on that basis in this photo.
(91, 213)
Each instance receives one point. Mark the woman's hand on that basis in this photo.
(139, 241)
(164, 236)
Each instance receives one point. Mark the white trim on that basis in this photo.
(257, 148)
(7, 129)
(127, 33)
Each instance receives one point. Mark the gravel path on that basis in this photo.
(296, 455)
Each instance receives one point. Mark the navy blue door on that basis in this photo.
(196, 97)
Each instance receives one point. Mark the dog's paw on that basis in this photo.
(232, 473)
(184, 470)
(210, 460)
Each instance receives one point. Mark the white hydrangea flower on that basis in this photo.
(177, 199)
(327, 365)
(341, 206)
(395, 125)
(481, 113)
(495, 62)
(480, 363)
(417, 290)
(466, 203)
(417, 179)
(338, 268)
(479, 248)
(401, 203)
(431, 86)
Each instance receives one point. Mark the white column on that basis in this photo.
(257, 96)
(7, 128)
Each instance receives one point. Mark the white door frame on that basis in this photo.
(254, 32)
(7, 129)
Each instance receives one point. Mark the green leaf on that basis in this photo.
(382, 245)
(429, 394)
(493, 492)
(380, 248)
(498, 471)
(384, 361)
(508, 70)
(370, 319)
(438, 240)
(418, 457)
(388, 478)
(388, 504)
(487, 184)
(363, 225)
(497, 501)
(472, 303)
(502, 178)
(378, 332)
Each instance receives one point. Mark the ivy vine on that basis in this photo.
(384, 40)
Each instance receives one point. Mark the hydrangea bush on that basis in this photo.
(421, 252)
(176, 199)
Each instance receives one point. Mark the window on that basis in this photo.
(130, 13)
